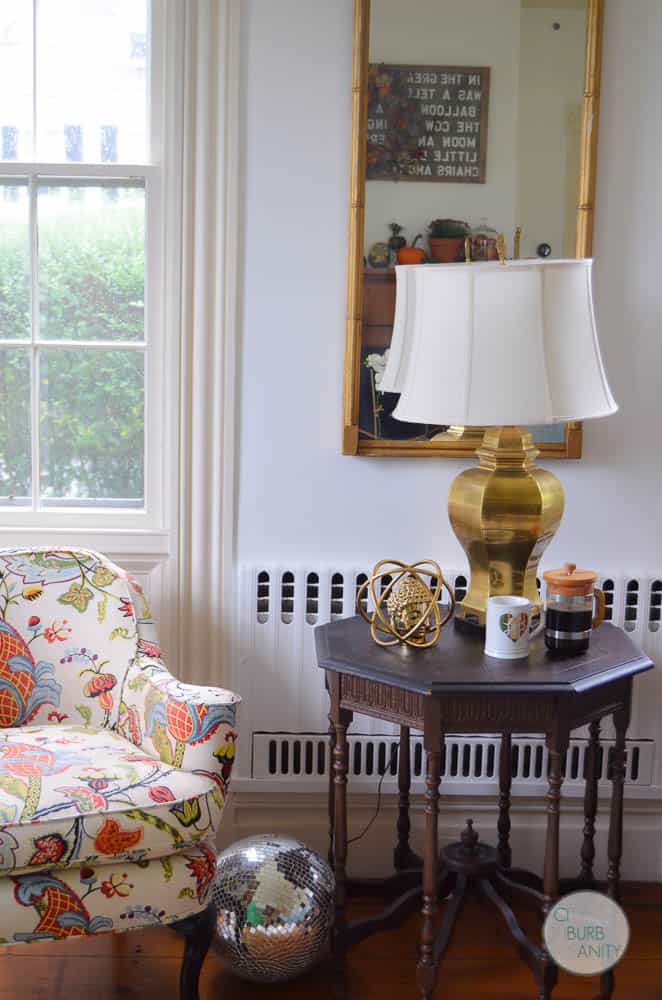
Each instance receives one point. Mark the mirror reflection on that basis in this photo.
(474, 128)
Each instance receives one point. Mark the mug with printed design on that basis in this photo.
(511, 623)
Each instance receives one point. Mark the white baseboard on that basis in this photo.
(305, 816)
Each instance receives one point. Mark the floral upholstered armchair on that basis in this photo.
(113, 774)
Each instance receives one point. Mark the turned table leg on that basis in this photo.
(340, 761)
(557, 745)
(402, 854)
(426, 970)
(340, 719)
(615, 844)
(590, 802)
(404, 784)
(505, 782)
(331, 791)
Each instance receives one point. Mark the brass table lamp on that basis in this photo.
(499, 346)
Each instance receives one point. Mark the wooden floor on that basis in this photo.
(481, 964)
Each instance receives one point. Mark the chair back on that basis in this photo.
(71, 624)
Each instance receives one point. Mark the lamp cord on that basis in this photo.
(382, 775)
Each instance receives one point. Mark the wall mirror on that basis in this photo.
(469, 118)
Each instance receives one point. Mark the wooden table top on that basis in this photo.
(458, 664)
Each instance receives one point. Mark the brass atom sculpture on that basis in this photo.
(413, 615)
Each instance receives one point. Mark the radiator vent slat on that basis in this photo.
(608, 588)
(360, 580)
(312, 598)
(262, 597)
(287, 598)
(337, 595)
(631, 605)
(465, 758)
(655, 606)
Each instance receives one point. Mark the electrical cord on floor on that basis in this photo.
(387, 767)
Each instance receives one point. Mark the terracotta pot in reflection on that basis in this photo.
(447, 249)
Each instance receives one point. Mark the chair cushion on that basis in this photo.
(71, 795)
(94, 899)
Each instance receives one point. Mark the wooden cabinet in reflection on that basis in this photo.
(375, 408)
(378, 308)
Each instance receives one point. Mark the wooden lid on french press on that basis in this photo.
(570, 581)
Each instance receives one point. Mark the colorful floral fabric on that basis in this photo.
(71, 623)
(186, 725)
(112, 773)
(78, 645)
(70, 795)
(93, 899)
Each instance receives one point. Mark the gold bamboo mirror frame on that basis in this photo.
(364, 282)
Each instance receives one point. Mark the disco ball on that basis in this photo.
(274, 903)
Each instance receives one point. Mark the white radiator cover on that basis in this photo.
(285, 702)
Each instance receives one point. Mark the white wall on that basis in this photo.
(299, 499)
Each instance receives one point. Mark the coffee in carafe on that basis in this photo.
(569, 609)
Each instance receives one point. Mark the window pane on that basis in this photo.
(14, 261)
(15, 80)
(91, 426)
(15, 473)
(91, 81)
(91, 262)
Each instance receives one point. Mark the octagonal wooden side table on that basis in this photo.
(455, 688)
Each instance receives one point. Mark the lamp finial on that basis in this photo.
(516, 243)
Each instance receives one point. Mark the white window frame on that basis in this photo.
(182, 548)
(152, 517)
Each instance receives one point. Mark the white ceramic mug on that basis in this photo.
(510, 624)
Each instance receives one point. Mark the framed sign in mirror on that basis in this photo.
(469, 119)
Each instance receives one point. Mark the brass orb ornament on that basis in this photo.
(406, 609)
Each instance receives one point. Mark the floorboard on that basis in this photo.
(481, 964)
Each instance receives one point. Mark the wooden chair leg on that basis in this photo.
(197, 932)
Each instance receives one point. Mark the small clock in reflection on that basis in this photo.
(543, 250)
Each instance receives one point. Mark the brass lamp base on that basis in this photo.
(471, 436)
(504, 513)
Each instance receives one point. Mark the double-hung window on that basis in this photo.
(79, 250)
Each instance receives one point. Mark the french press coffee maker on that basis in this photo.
(569, 616)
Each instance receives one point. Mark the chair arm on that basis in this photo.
(188, 726)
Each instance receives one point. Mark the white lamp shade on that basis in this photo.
(491, 344)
